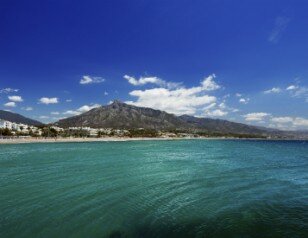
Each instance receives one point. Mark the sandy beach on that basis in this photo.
(123, 139)
(58, 140)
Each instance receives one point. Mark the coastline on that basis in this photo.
(124, 139)
(72, 140)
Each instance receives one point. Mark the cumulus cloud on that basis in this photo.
(215, 113)
(244, 100)
(217, 110)
(10, 104)
(81, 110)
(9, 90)
(150, 80)
(86, 79)
(298, 91)
(289, 122)
(15, 98)
(177, 101)
(292, 87)
(209, 84)
(281, 24)
(238, 95)
(55, 113)
(273, 90)
(144, 80)
(45, 100)
(279, 122)
(282, 119)
(256, 116)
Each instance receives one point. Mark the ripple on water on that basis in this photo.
(195, 188)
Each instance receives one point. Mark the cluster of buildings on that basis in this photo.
(16, 128)
(100, 131)
(19, 127)
(23, 129)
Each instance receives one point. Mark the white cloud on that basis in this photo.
(10, 104)
(55, 113)
(82, 109)
(292, 87)
(86, 108)
(144, 80)
(150, 80)
(214, 110)
(273, 90)
(106, 93)
(217, 110)
(300, 92)
(27, 108)
(238, 95)
(86, 79)
(45, 100)
(209, 84)
(71, 112)
(215, 113)
(179, 100)
(256, 116)
(281, 24)
(283, 122)
(8, 90)
(282, 119)
(44, 117)
(15, 98)
(288, 123)
(211, 106)
(222, 105)
(302, 122)
(68, 100)
(244, 100)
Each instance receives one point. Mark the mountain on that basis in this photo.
(120, 115)
(17, 118)
(222, 126)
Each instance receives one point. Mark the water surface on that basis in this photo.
(185, 188)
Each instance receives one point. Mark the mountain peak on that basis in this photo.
(120, 115)
(117, 102)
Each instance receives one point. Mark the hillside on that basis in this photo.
(17, 118)
(120, 115)
(221, 126)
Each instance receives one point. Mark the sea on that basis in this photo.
(176, 188)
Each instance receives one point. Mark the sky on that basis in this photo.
(244, 61)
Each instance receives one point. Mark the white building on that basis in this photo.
(19, 127)
(6, 124)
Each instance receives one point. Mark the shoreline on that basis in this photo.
(124, 139)
(72, 140)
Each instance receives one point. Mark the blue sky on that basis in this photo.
(244, 61)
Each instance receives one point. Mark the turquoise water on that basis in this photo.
(187, 188)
